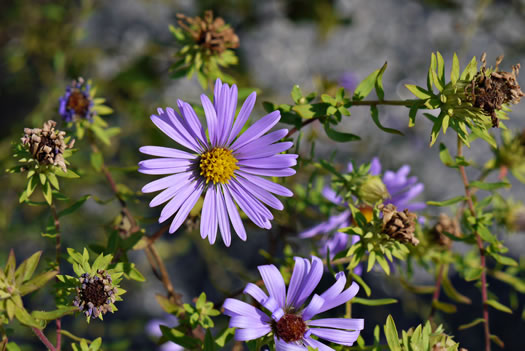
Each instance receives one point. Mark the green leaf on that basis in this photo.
(47, 192)
(454, 72)
(418, 91)
(102, 109)
(497, 340)
(471, 70)
(42, 177)
(392, 337)
(74, 207)
(180, 338)
(379, 83)
(37, 282)
(373, 302)
(497, 305)
(308, 111)
(448, 202)
(362, 283)
(471, 324)
(490, 186)
(27, 268)
(508, 261)
(451, 292)
(339, 136)
(25, 318)
(445, 157)
(97, 160)
(31, 186)
(440, 68)
(166, 304)
(53, 180)
(68, 174)
(443, 306)
(364, 88)
(52, 315)
(375, 117)
(101, 134)
(297, 94)
(209, 343)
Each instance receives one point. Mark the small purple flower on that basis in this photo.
(76, 102)
(153, 329)
(289, 317)
(402, 190)
(349, 81)
(223, 164)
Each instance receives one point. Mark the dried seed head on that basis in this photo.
(209, 33)
(490, 90)
(95, 294)
(448, 225)
(400, 226)
(47, 145)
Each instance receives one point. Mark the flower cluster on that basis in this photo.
(77, 102)
(289, 318)
(399, 225)
(223, 164)
(47, 145)
(95, 294)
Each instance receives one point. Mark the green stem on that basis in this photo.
(58, 246)
(406, 103)
(73, 337)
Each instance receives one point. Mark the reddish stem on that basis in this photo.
(435, 296)
(470, 204)
(44, 339)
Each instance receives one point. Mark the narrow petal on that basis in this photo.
(176, 202)
(267, 185)
(169, 130)
(317, 345)
(300, 269)
(242, 117)
(336, 288)
(261, 194)
(251, 200)
(340, 337)
(234, 307)
(234, 214)
(166, 152)
(257, 129)
(332, 196)
(247, 322)
(209, 218)
(313, 307)
(281, 172)
(251, 334)
(229, 114)
(192, 122)
(170, 170)
(274, 282)
(281, 345)
(255, 292)
(186, 208)
(186, 132)
(339, 323)
(245, 206)
(165, 182)
(375, 166)
(345, 296)
(275, 161)
(164, 163)
(311, 280)
(222, 216)
(262, 142)
(263, 151)
(211, 118)
(170, 192)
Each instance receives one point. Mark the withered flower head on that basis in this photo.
(400, 226)
(95, 294)
(47, 145)
(448, 225)
(491, 89)
(210, 33)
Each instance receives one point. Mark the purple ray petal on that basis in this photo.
(251, 334)
(340, 337)
(209, 216)
(276, 161)
(313, 307)
(281, 345)
(242, 117)
(247, 322)
(211, 118)
(164, 163)
(191, 122)
(166, 182)
(166, 152)
(262, 142)
(339, 323)
(170, 192)
(332, 196)
(300, 270)
(273, 280)
(282, 172)
(345, 296)
(317, 345)
(234, 214)
(183, 128)
(171, 170)
(255, 292)
(375, 166)
(163, 124)
(257, 129)
(222, 215)
(234, 307)
(176, 202)
(261, 194)
(267, 185)
(311, 280)
(264, 151)
(336, 288)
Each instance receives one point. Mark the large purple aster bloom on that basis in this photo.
(289, 318)
(223, 164)
(402, 189)
(76, 102)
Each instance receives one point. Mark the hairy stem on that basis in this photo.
(58, 246)
(470, 204)
(44, 339)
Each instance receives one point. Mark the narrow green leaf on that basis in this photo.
(52, 315)
(497, 340)
(490, 186)
(392, 337)
(362, 283)
(339, 136)
(297, 94)
(97, 160)
(74, 207)
(27, 268)
(451, 292)
(379, 83)
(375, 117)
(53, 180)
(373, 302)
(418, 91)
(454, 72)
(443, 306)
(471, 324)
(25, 318)
(68, 174)
(364, 88)
(499, 306)
(508, 261)
(445, 157)
(448, 202)
(37, 282)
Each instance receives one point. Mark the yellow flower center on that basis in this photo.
(218, 165)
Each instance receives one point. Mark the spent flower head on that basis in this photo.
(288, 318)
(224, 165)
(445, 225)
(399, 225)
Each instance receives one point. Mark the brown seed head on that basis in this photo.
(209, 33)
(400, 226)
(47, 145)
(290, 328)
(448, 225)
(490, 92)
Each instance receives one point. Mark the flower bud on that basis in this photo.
(373, 190)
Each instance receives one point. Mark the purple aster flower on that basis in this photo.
(223, 164)
(153, 329)
(289, 317)
(349, 81)
(76, 102)
(402, 190)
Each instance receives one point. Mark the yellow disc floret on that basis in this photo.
(218, 165)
